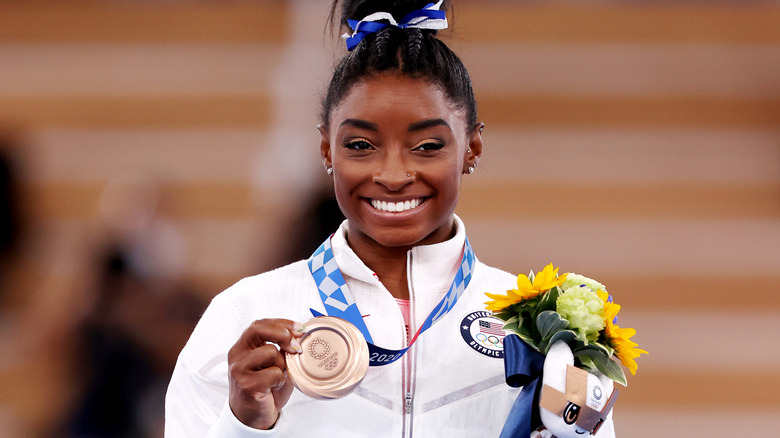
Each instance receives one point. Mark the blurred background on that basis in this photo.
(154, 152)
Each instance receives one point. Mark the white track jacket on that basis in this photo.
(450, 383)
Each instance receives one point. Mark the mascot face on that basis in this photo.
(573, 402)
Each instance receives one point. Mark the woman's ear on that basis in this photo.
(474, 150)
(325, 147)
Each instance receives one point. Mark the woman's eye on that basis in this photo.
(358, 144)
(429, 146)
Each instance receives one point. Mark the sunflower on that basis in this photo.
(619, 338)
(526, 289)
(500, 302)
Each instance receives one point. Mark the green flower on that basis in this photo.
(577, 279)
(582, 307)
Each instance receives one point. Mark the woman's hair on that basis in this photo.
(415, 53)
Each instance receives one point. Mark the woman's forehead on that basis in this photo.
(381, 96)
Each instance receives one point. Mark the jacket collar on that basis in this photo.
(432, 267)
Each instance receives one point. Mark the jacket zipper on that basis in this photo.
(408, 360)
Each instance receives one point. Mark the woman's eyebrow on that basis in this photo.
(361, 124)
(425, 124)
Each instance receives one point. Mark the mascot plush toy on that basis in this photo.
(573, 402)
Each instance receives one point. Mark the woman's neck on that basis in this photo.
(389, 264)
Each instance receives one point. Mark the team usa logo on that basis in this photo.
(484, 333)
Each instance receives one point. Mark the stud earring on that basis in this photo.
(471, 169)
(329, 170)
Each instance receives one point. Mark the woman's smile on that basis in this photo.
(396, 206)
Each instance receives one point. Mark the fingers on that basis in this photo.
(282, 393)
(282, 332)
(256, 351)
(258, 382)
(256, 373)
(262, 357)
(252, 397)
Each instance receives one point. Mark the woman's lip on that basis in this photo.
(399, 206)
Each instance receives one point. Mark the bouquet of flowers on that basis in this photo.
(546, 308)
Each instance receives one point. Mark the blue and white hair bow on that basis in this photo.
(429, 17)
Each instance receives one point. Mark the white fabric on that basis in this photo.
(454, 390)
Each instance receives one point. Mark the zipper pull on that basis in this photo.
(408, 403)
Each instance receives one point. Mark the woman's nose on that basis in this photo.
(393, 172)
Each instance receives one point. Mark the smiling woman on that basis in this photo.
(399, 129)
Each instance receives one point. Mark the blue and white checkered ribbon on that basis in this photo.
(429, 17)
(333, 289)
(338, 301)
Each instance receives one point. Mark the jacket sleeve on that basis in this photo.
(195, 407)
(229, 425)
(196, 404)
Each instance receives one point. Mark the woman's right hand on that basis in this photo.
(259, 386)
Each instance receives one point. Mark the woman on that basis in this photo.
(398, 130)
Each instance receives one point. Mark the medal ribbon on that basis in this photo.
(338, 301)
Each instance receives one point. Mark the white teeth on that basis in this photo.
(395, 207)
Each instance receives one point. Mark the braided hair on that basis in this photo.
(414, 53)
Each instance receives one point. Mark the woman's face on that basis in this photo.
(398, 149)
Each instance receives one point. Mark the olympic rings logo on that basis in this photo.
(490, 341)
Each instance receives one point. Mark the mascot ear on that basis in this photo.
(574, 403)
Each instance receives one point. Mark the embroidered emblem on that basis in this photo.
(483, 332)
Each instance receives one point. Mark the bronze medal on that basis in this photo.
(334, 359)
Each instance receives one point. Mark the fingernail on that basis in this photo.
(298, 327)
(295, 345)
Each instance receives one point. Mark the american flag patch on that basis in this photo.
(491, 328)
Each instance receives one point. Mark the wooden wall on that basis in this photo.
(636, 142)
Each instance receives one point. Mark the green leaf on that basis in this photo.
(550, 322)
(586, 363)
(527, 338)
(595, 346)
(567, 336)
(605, 349)
(512, 323)
(609, 367)
(529, 325)
(528, 305)
(512, 309)
(504, 315)
(547, 300)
